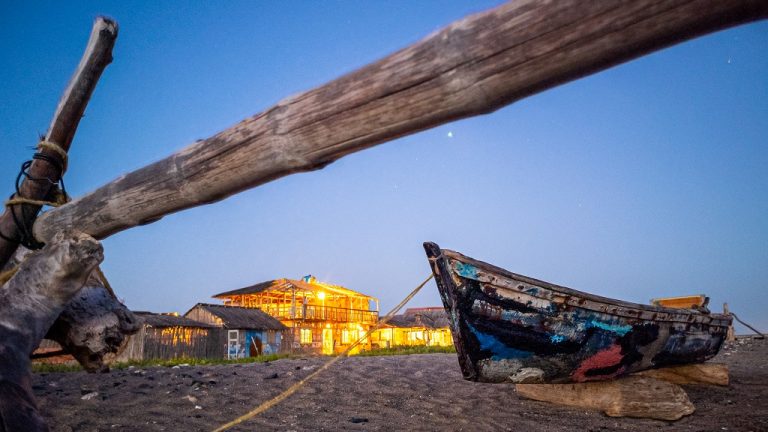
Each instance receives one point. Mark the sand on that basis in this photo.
(415, 392)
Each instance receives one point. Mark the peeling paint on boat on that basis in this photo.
(508, 327)
(498, 349)
(619, 329)
(466, 270)
(556, 338)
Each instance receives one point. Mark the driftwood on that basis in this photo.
(700, 373)
(632, 396)
(29, 303)
(98, 54)
(472, 67)
(94, 323)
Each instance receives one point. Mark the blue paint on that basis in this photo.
(621, 330)
(500, 351)
(466, 270)
(556, 338)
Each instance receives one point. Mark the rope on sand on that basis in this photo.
(292, 389)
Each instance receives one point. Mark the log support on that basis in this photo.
(653, 394)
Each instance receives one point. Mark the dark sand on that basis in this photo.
(416, 392)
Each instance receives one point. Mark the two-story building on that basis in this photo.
(321, 317)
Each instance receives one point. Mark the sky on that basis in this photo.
(645, 180)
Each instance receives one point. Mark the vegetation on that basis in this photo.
(408, 350)
(47, 368)
(43, 367)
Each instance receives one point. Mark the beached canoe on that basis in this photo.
(512, 328)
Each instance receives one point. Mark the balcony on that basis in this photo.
(321, 313)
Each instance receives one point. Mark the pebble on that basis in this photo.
(90, 396)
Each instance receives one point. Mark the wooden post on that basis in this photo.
(471, 67)
(731, 336)
(97, 55)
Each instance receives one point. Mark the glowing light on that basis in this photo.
(321, 295)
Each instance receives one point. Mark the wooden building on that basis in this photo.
(168, 336)
(427, 326)
(249, 332)
(322, 318)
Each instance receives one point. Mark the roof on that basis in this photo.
(236, 317)
(421, 317)
(290, 285)
(166, 320)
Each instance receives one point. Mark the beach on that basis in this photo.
(405, 392)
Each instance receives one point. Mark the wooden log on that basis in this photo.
(93, 325)
(633, 396)
(471, 67)
(97, 55)
(29, 303)
(701, 373)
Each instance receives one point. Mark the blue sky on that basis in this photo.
(646, 180)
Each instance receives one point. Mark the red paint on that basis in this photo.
(610, 356)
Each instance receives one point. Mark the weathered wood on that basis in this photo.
(508, 327)
(701, 373)
(633, 396)
(93, 325)
(472, 67)
(731, 336)
(97, 55)
(29, 303)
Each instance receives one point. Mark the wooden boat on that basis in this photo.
(512, 328)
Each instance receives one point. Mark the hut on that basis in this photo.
(427, 326)
(168, 336)
(249, 332)
(322, 317)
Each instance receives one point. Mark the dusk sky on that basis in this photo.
(645, 180)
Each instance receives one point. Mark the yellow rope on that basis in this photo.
(30, 201)
(6, 275)
(292, 389)
(52, 146)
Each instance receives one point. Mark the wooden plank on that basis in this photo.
(633, 396)
(700, 373)
(473, 66)
(97, 55)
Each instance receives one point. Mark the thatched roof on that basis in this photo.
(430, 317)
(286, 285)
(162, 320)
(235, 317)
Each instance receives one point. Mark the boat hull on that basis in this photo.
(511, 328)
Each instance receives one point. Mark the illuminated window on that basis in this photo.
(306, 336)
(416, 336)
(345, 337)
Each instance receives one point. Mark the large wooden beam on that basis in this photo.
(97, 55)
(471, 67)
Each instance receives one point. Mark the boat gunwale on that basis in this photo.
(713, 319)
